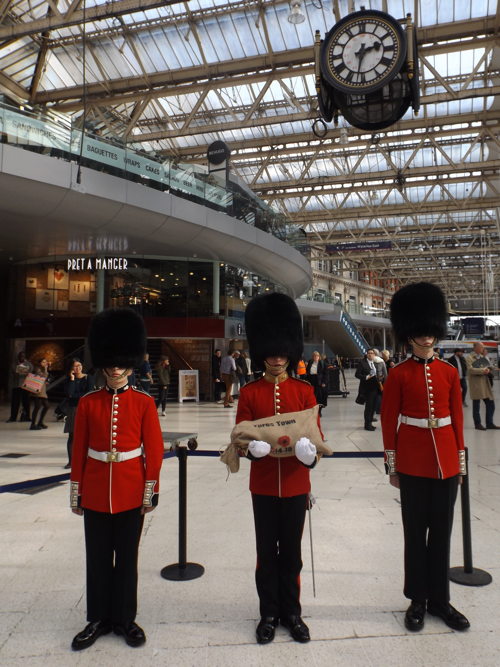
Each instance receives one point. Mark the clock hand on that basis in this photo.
(361, 52)
(375, 46)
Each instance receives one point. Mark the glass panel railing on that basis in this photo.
(41, 133)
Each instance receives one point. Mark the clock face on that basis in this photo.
(363, 52)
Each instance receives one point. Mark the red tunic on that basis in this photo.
(271, 476)
(123, 421)
(423, 390)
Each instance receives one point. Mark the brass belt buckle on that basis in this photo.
(433, 423)
(111, 457)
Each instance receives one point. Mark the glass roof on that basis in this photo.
(172, 78)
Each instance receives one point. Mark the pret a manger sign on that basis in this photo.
(96, 263)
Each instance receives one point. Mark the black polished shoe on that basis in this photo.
(134, 635)
(414, 617)
(35, 427)
(8, 421)
(370, 428)
(89, 634)
(453, 618)
(296, 627)
(265, 629)
(44, 426)
(480, 427)
(492, 426)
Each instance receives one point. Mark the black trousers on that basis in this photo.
(370, 403)
(463, 385)
(279, 523)
(162, 396)
(112, 544)
(19, 396)
(427, 509)
(39, 405)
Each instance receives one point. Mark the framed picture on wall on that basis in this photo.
(31, 282)
(45, 299)
(79, 290)
(62, 304)
(57, 278)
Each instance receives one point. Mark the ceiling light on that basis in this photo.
(296, 15)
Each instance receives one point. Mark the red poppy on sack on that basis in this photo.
(284, 441)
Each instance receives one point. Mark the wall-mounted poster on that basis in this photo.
(45, 299)
(57, 278)
(188, 386)
(62, 305)
(79, 290)
(31, 282)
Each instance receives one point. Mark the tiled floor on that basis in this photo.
(356, 617)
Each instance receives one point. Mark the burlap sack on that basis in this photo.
(280, 431)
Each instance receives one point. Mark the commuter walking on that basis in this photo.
(228, 375)
(479, 373)
(216, 375)
(145, 375)
(39, 395)
(163, 370)
(371, 375)
(20, 370)
(457, 360)
(77, 385)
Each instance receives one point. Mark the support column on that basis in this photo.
(215, 288)
(384, 341)
(100, 280)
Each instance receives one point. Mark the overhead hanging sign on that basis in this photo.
(356, 246)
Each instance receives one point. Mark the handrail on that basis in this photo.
(176, 354)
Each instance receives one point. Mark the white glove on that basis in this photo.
(259, 448)
(305, 451)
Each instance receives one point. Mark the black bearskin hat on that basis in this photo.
(117, 337)
(419, 309)
(274, 328)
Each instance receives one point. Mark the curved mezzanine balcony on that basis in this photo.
(64, 194)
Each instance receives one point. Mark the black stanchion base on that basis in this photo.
(177, 572)
(475, 578)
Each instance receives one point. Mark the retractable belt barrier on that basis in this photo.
(466, 575)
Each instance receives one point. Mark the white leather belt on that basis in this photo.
(426, 423)
(114, 457)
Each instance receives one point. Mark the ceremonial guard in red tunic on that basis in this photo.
(422, 427)
(117, 456)
(279, 486)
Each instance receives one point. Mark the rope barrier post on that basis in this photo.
(468, 575)
(183, 571)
